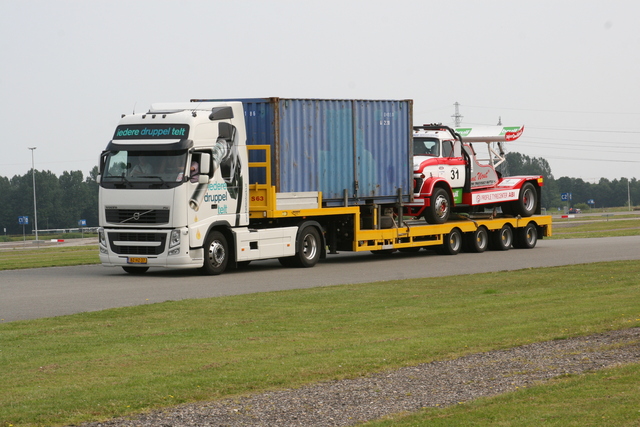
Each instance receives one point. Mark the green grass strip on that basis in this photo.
(14, 259)
(605, 398)
(101, 364)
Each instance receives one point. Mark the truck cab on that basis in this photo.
(167, 178)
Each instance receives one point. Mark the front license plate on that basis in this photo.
(132, 260)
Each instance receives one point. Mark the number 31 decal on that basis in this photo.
(455, 174)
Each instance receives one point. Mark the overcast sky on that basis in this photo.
(568, 70)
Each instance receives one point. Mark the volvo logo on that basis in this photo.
(136, 216)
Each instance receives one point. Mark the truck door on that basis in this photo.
(452, 165)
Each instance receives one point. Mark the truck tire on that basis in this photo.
(478, 241)
(307, 248)
(501, 240)
(452, 243)
(526, 237)
(527, 202)
(216, 254)
(440, 207)
(135, 270)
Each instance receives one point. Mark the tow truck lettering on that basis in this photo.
(480, 176)
(508, 182)
(497, 196)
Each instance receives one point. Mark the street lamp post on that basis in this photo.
(35, 209)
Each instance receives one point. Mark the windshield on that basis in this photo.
(145, 166)
(426, 147)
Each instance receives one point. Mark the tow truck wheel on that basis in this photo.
(502, 239)
(526, 237)
(308, 248)
(440, 207)
(216, 254)
(478, 241)
(528, 201)
(452, 243)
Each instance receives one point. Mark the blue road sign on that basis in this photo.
(23, 220)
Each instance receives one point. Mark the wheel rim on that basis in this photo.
(530, 235)
(216, 254)
(482, 239)
(455, 240)
(505, 235)
(309, 246)
(528, 199)
(441, 206)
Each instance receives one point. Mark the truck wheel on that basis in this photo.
(526, 237)
(308, 248)
(216, 254)
(440, 207)
(528, 200)
(452, 243)
(135, 270)
(502, 239)
(478, 241)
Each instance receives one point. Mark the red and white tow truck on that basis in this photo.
(449, 176)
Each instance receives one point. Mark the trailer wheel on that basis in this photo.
(452, 243)
(440, 207)
(216, 254)
(308, 248)
(135, 270)
(526, 237)
(478, 241)
(502, 239)
(528, 201)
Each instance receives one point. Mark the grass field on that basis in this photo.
(97, 365)
(48, 257)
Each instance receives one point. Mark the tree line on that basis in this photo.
(65, 200)
(61, 201)
(604, 193)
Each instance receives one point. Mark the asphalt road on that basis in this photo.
(48, 292)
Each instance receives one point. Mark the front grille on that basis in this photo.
(137, 216)
(417, 184)
(148, 243)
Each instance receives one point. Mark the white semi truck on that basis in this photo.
(216, 183)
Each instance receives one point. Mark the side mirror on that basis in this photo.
(226, 131)
(221, 113)
(205, 164)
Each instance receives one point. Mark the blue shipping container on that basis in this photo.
(361, 146)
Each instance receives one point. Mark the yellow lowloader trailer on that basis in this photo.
(382, 228)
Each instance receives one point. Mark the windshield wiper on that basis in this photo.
(155, 176)
(123, 179)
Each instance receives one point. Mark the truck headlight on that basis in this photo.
(102, 240)
(174, 242)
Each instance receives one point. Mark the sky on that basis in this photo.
(567, 70)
